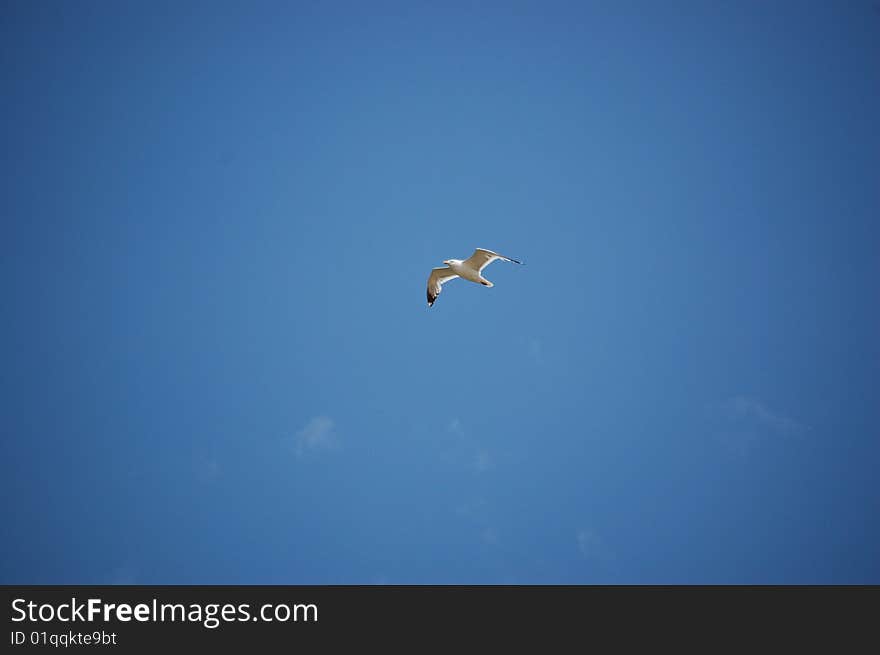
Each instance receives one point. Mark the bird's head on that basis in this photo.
(448, 262)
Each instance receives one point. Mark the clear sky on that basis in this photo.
(218, 363)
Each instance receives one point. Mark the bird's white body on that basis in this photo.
(462, 270)
(469, 269)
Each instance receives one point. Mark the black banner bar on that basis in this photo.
(136, 618)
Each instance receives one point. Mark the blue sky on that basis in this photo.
(219, 367)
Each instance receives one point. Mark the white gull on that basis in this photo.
(468, 269)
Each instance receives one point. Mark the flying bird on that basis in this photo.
(468, 269)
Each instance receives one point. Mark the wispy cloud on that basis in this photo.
(465, 453)
(742, 408)
(742, 422)
(478, 515)
(482, 461)
(464, 450)
(318, 434)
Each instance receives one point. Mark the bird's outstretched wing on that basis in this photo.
(482, 258)
(435, 282)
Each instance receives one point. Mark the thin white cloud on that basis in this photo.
(743, 408)
(466, 452)
(742, 422)
(318, 434)
(482, 461)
